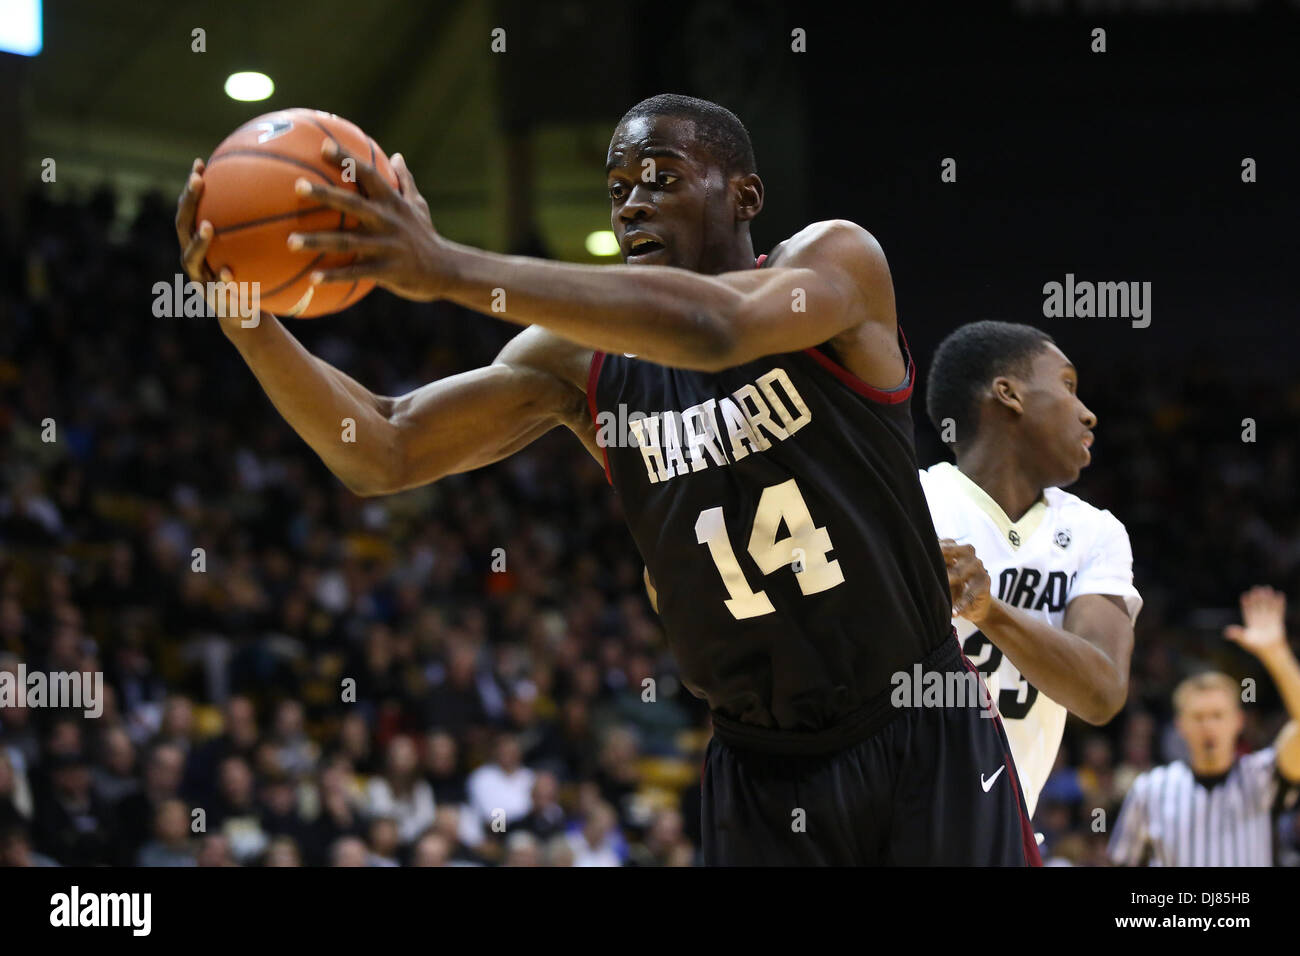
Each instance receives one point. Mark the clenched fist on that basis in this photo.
(968, 581)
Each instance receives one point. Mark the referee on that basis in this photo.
(1217, 811)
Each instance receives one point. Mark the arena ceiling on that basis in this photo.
(118, 94)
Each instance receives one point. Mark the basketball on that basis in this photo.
(249, 198)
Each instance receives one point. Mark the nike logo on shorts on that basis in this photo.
(986, 784)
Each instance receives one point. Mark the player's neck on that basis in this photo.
(737, 258)
(1001, 477)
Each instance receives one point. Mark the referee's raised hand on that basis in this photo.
(1263, 613)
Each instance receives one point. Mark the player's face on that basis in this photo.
(1059, 424)
(1209, 723)
(668, 203)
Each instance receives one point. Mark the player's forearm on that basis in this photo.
(1285, 671)
(342, 421)
(669, 316)
(1075, 673)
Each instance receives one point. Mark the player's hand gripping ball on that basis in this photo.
(248, 194)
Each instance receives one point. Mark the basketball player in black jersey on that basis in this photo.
(768, 477)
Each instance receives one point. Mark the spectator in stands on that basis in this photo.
(546, 817)
(432, 849)
(349, 851)
(593, 844)
(171, 845)
(72, 825)
(384, 842)
(401, 794)
(283, 851)
(442, 768)
(238, 739)
(234, 812)
(137, 811)
(115, 775)
(502, 790)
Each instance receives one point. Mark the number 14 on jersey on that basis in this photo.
(803, 550)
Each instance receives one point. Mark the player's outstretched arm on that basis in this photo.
(1082, 665)
(446, 427)
(378, 445)
(830, 277)
(1263, 633)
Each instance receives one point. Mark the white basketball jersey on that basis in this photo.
(1061, 548)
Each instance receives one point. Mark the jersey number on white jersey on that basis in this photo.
(986, 657)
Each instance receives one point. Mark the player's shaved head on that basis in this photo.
(718, 131)
(967, 361)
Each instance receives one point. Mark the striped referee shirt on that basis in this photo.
(1171, 819)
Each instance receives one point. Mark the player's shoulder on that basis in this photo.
(936, 475)
(1071, 508)
(942, 494)
(936, 481)
(841, 241)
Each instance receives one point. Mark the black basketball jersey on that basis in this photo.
(778, 508)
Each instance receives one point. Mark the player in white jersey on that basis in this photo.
(1042, 582)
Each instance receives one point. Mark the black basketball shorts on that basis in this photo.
(931, 785)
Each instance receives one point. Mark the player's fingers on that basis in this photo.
(372, 184)
(344, 200)
(410, 191)
(188, 203)
(193, 259)
(358, 242)
(964, 599)
(405, 181)
(953, 549)
(1267, 597)
(957, 584)
(950, 550)
(968, 566)
(1234, 632)
(364, 269)
(966, 580)
(960, 567)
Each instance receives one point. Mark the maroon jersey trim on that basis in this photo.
(597, 360)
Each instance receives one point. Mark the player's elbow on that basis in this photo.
(364, 489)
(372, 482)
(711, 340)
(387, 466)
(1107, 700)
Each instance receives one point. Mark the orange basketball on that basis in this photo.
(249, 198)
